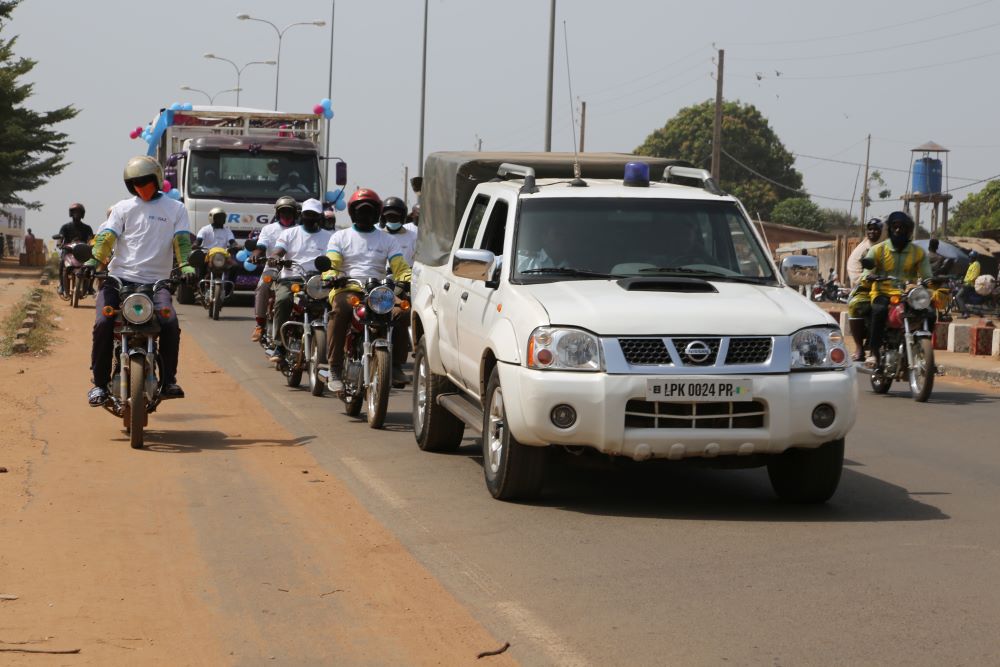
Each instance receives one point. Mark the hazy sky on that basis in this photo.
(906, 72)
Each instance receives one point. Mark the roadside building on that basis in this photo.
(12, 219)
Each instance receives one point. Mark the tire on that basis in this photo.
(379, 386)
(317, 356)
(435, 429)
(216, 307)
(807, 476)
(74, 291)
(185, 294)
(512, 471)
(294, 377)
(922, 377)
(352, 405)
(880, 384)
(137, 401)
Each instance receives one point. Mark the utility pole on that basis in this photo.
(548, 91)
(864, 188)
(406, 185)
(329, 95)
(479, 143)
(717, 125)
(423, 97)
(583, 123)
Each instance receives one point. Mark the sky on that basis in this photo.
(826, 75)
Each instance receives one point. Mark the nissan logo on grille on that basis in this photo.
(697, 351)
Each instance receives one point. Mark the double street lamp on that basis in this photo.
(239, 70)
(211, 98)
(281, 33)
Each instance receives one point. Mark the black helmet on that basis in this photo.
(900, 218)
(77, 207)
(874, 222)
(394, 205)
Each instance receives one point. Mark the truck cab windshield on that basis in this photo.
(636, 237)
(245, 176)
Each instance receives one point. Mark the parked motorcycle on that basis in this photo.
(367, 372)
(79, 278)
(983, 299)
(134, 391)
(830, 290)
(907, 350)
(215, 286)
(303, 336)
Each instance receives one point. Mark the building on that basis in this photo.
(12, 226)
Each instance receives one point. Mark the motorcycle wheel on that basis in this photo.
(352, 403)
(379, 385)
(185, 294)
(317, 356)
(74, 291)
(880, 383)
(922, 375)
(216, 306)
(294, 376)
(137, 402)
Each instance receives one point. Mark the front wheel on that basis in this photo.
(807, 475)
(317, 357)
(185, 294)
(922, 373)
(137, 401)
(74, 291)
(513, 471)
(379, 384)
(216, 306)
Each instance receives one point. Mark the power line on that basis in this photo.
(780, 185)
(874, 166)
(869, 30)
(700, 77)
(858, 75)
(621, 84)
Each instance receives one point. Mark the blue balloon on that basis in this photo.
(250, 267)
(325, 103)
(327, 113)
(243, 255)
(174, 194)
(341, 204)
(175, 106)
(334, 195)
(187, 106)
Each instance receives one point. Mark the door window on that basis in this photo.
(475, 221)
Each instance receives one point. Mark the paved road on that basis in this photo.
(658, 564)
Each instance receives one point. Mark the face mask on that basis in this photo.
(286, 219)
(217, 224)
(394, 226)
(145, 192)
(364, 217)
(899, 239)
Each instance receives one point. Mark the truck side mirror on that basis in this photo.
(798, 270)
(340, 174)
(474, 264)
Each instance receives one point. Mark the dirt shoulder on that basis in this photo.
(223, 543)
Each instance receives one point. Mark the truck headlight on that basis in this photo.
(818, 348)
(551, 348)
(919, 298)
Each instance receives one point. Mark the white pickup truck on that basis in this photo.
(635, 317)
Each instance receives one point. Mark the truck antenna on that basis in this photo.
(577, 181)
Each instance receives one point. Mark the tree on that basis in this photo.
(977, 212)
(30, 151)
(747, 137)
(838, 221)
(798, 212)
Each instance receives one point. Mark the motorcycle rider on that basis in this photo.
(286, 213)
(215, 234)
(329, 219)
(301, 244)
(146, 232)
(74, 231)
(413, 219)
(899, 258)
(362, 251)
(968, 293)
(393, 214)
(859, 303)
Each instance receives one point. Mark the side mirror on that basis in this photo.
(250, 244)
(82, 252)
(323, 263)
(867, 263)
(474, 264)
(197, 258)
(416, 183)
(340, 174)
(798, 270)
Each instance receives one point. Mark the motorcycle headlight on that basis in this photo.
(315, 289)
(137, 308)
(919, 298)
(552, 348)
(218, 260)
(818, 348)
(381, 299)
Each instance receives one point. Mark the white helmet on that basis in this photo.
(142, 166)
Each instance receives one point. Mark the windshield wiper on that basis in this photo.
(570, 271)
(714, 275)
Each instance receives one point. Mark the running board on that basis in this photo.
(464, 409)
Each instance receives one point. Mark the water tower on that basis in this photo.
(925, 186)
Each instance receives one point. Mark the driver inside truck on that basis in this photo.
(208, 184)
(294, 183)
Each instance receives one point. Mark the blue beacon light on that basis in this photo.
(637, 175)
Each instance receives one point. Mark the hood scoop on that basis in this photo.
(667, 284)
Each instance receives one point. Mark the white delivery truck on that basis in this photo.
(631, 316)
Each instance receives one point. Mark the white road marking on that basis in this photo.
(377, 486)
(528, 624)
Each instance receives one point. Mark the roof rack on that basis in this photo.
(527, 173)
(683, 176)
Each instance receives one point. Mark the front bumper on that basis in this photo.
(600, 402)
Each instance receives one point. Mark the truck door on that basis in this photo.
(477, 303)
(448, 296)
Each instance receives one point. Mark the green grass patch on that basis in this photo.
(41, 336)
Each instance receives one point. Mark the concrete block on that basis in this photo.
(959, 337)
(941, 335)
(981, 342)
(995, 347)
(843, 322)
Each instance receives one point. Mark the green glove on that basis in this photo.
(91, 263)
(188, 271)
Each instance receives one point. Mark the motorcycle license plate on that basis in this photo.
(688, 390)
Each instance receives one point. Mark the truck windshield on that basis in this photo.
(569, 238)
(246, 176)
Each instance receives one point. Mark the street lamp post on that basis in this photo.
(281, 33)
(423, 98)
(239, 70)
(211, 98)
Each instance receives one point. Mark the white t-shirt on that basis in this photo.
(215, 238)
(412, 227)
(365, 253)
(268, 236)
(302, 247)
(144, 231)
(407, 239)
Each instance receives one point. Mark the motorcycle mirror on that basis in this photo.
(250, 244)
(82, 252)
(197, 257)
(867, 263)
(323, 263)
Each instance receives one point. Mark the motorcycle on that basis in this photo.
(907, 350)
(367, 371)
(303, 336)
(983, 299)
(830, 290)
(134, 391)
(78, 277)
(215, 287)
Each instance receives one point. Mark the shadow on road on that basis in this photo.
(191, 442)
(948, 397)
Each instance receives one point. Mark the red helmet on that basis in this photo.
(362, 195)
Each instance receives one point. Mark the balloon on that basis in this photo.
(318, 109)
(138, 129)
(175, 106)
(249, 267)
(174, 194)
(243, 255)
(328, 114)
(167, 186)
(325, 103)
(187, 106)
(341, 204)
(132, 134)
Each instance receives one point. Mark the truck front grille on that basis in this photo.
(718, 414)
(645, 351)
(748, 351)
